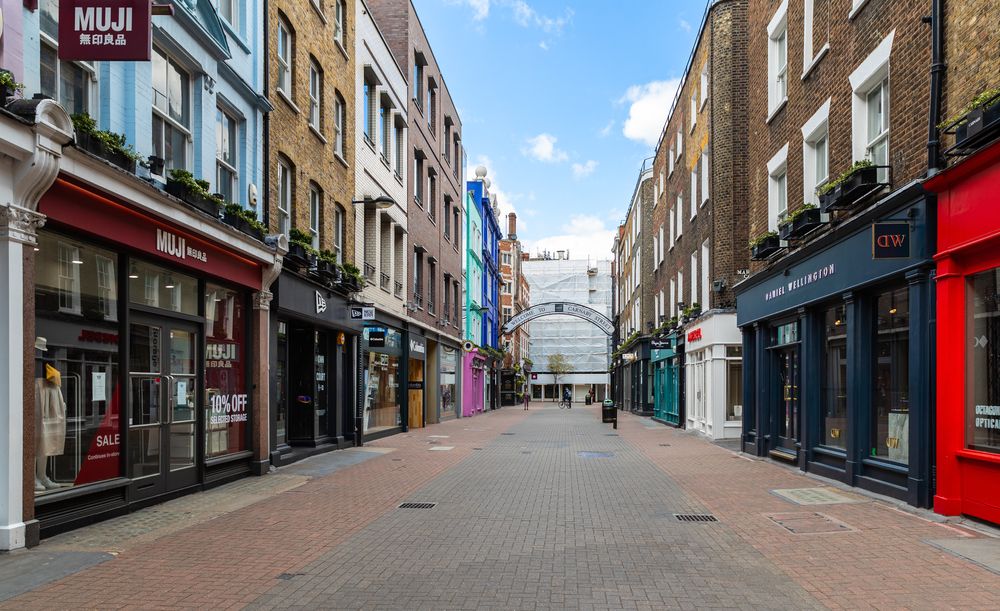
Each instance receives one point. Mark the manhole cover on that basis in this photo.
(816, 496)
(611, 434)
(397, 460)
(289, 576)
(417, 505)
(477, 448)
(664, 445)
(587, 454)
(506, 433)
(695, 517)
(808, 523)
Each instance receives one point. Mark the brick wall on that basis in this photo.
(972, 46)
(851, 40)
(311, 153)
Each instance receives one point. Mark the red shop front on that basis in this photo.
(968, 336)
(144, 357)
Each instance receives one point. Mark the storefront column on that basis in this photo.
(921, 351)
(951, 380)
(761, 383)
(859, 395)
(810, 374)
(260, 345)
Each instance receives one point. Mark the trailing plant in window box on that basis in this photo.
(327, 267)
(107, 145)
(9, 87)
(980, 118)
(797, 224)
(693, 311)
(182, 184)
(848, 188)
(764, 245)
(300, 250)
(244, 219)
(353, 277)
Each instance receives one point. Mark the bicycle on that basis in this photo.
(564, 404)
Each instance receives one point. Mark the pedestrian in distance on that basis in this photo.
(527, 398)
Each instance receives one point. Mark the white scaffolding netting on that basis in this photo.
(582, 343)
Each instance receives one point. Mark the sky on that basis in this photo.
(562, 101)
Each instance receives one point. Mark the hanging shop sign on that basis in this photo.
(362, 313)
(565, 308)
(376, 339)
(659, 343)
(890, 240)
(106, 30)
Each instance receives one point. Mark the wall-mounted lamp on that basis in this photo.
(381, 202)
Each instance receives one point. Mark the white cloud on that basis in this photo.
(684, 25)
(480, 8)
(543, 148)
(606, 130)
(526, 16)
(649, 105)
(582, 170)
(585, 236)
(544, 46)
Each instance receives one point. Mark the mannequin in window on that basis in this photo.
(50, 420)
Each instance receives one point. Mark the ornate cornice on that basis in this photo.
(20, 224)
(262, 300)
(34, 175)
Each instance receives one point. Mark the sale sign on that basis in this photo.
(109, 30)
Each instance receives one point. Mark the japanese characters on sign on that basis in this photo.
(110, 30)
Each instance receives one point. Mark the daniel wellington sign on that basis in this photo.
(115, 30)
(890, 240)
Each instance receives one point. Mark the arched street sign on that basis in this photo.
(560, 307)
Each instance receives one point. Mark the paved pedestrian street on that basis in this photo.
(544, 509)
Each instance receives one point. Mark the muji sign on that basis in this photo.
(115, 30)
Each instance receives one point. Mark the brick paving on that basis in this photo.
(556, 512)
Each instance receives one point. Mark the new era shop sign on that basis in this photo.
(114, 30)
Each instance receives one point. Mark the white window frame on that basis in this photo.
(87, 67)
(221, 164)
(670, 160)
(694, 109)
(285, 65)
(814, 131)
(705, 178)
(69, 277)
(673, 228)
(233, 19)
(870, 73)
(107, 289)
(680, 286)
(315, 204)
(680, 143)
(673, 298)
(315, 97)
(809, 59)
(168, 121)
(680, 215)
(777, 188)
(338, 124)
(339, 18)
(662, 244)
(705, 275)
(777, 73)
(285, 197)
(694, 277)
(338, 232)
(694, 192)
(704, 84)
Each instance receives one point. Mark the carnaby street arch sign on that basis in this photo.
(565, 308)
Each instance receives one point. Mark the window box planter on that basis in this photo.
(8, 86)
(852, 189)
(979, 126)
(93, 145)
(329, 272)
(238, 222)
(299, 257)
(156, 165)
(765, 248)
(804, 222)
(193, 198)
(350, 284)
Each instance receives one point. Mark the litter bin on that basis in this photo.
(608, 411)
(587, 400)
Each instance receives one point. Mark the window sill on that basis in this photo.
(399, 178)
(369, 142)
(317, 133)
(343, 51)
(385, 162)
(857, 9)
(319, 12)
(341, 159)
(815, 62)
(777, 109)
(288, 100)
(237, 36)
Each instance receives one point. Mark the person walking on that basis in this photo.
(527, 398)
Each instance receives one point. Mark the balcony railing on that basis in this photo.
(370, 272)
(418, 300)
(430, 306)
(398, 292)
(384, 281)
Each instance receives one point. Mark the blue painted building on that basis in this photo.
(198, 104)
(486, 205)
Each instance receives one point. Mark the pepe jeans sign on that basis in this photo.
(115, 30)
(792, 285)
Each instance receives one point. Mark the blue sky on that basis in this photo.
(562, 101)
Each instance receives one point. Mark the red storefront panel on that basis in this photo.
(968, 481)
(103, 217)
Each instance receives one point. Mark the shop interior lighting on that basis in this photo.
(169, 284)
(892, 311)
(76, 262)
(133, 273)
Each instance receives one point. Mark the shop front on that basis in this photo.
(473, 381)
(714, 375)
(144, 347)
(312, 367)
(664, 380)
(836, 350)
(415, 375)
(448, 357)
(968, 347)
(382, 373)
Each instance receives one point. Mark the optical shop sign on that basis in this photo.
(988, 417)
(113, 30)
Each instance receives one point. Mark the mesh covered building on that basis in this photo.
(585, 346)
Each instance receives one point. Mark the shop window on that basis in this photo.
(982, 415)
(834, 400)
(77, 400)
(449, 366)
(785, 334)
(734, 389)
(382, 378)
(891, 403)
(156, 287)
(227, 400)
(281, 385)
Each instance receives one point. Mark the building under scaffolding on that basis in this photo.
(557, 278)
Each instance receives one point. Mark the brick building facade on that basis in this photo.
(515, 295)
(835, 328)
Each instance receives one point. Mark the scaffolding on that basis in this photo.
(583, 344)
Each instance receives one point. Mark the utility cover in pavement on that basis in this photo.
(816, 496)
(586, 454)
(695, 517)
(417, 505)
(808, 523)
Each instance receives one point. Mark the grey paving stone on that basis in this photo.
(24, 571)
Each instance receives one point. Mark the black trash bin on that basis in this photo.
(587, 400)
(608, 411)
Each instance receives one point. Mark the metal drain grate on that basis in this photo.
(506, 433)
(695, 517)
(664, 445)
(417, 505)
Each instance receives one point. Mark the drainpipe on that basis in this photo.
(934, 161)
(266, 194)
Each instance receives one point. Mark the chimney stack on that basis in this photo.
(511, 226)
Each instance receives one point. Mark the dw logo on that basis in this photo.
(320, 303)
